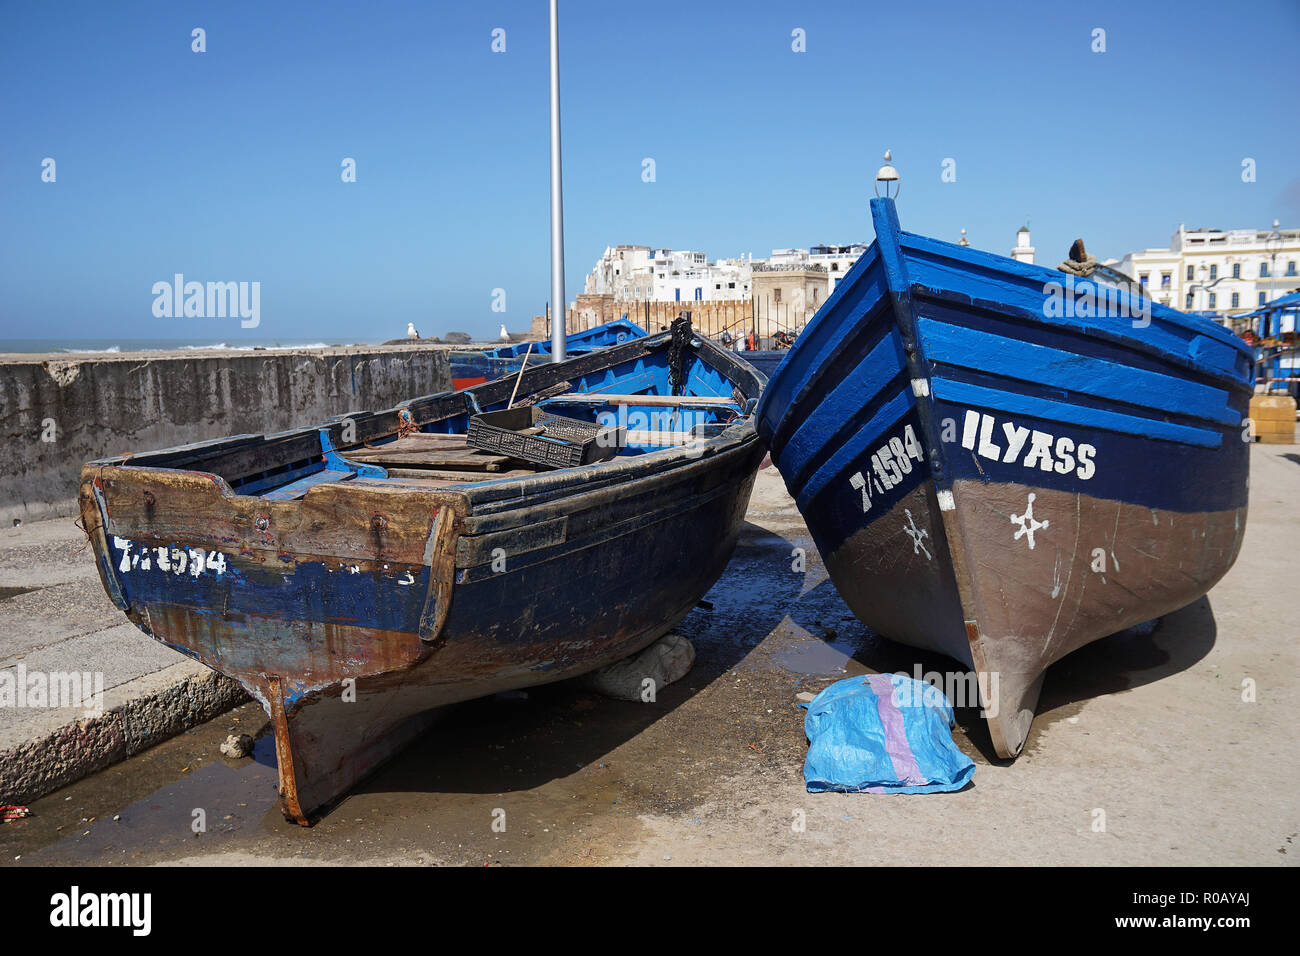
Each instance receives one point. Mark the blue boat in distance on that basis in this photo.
(474, 367)
(765, 360)
(1002, 462)
(578, 343)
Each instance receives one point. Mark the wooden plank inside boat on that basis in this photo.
(428, 451)
(655, 401)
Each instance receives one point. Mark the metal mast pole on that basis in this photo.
(557, 198)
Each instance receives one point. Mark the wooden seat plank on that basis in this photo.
(422, 450)
(296, 489)
(668, 401)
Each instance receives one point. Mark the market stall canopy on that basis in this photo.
(1291, 301)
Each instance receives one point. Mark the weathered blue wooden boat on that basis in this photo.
(355, 575)
(475, 366)
(1002, 462)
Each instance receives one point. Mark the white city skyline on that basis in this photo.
(1228, 272)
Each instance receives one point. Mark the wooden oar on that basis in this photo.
(515, 390)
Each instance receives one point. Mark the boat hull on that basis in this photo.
(897, 574)
(356, 610)
(987, 482)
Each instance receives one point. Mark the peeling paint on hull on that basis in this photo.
(352, 610)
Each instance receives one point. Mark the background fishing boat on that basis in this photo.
(1275, 333)
(765, 360)
(1001, 462)
(476, 366)
(355, 575)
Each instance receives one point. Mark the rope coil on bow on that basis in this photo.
(681, 338)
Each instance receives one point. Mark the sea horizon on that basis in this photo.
(111, 346)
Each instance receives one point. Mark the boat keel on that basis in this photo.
(333, 740)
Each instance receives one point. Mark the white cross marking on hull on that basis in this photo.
(916, 534)
(1027, 523)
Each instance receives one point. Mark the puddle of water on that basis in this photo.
(213, 801)
(815, 658)
(144, 807)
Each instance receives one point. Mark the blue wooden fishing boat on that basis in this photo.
(355, 575)
(1002, 462)
(476, 366)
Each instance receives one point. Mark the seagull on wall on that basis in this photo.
(410, 331)
(505, 336)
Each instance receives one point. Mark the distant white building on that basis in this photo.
(1023, 252)
(836, 260)
(631, 272)
(625, 271)
(1213, 270)
(682, 276)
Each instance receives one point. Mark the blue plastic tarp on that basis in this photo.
(883, 733)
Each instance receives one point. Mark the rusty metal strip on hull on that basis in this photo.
(289, 804)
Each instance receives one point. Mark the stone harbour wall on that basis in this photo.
(59, 411)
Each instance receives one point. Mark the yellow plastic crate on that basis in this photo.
(1273, 408)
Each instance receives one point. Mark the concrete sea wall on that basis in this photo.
(59, 411)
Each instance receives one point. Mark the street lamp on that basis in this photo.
(887, 176)
(1273, 245)
(1203, 273)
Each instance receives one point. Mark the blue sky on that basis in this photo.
(225, 165)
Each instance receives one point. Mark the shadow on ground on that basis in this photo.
(1139, 655)
(521, 740)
